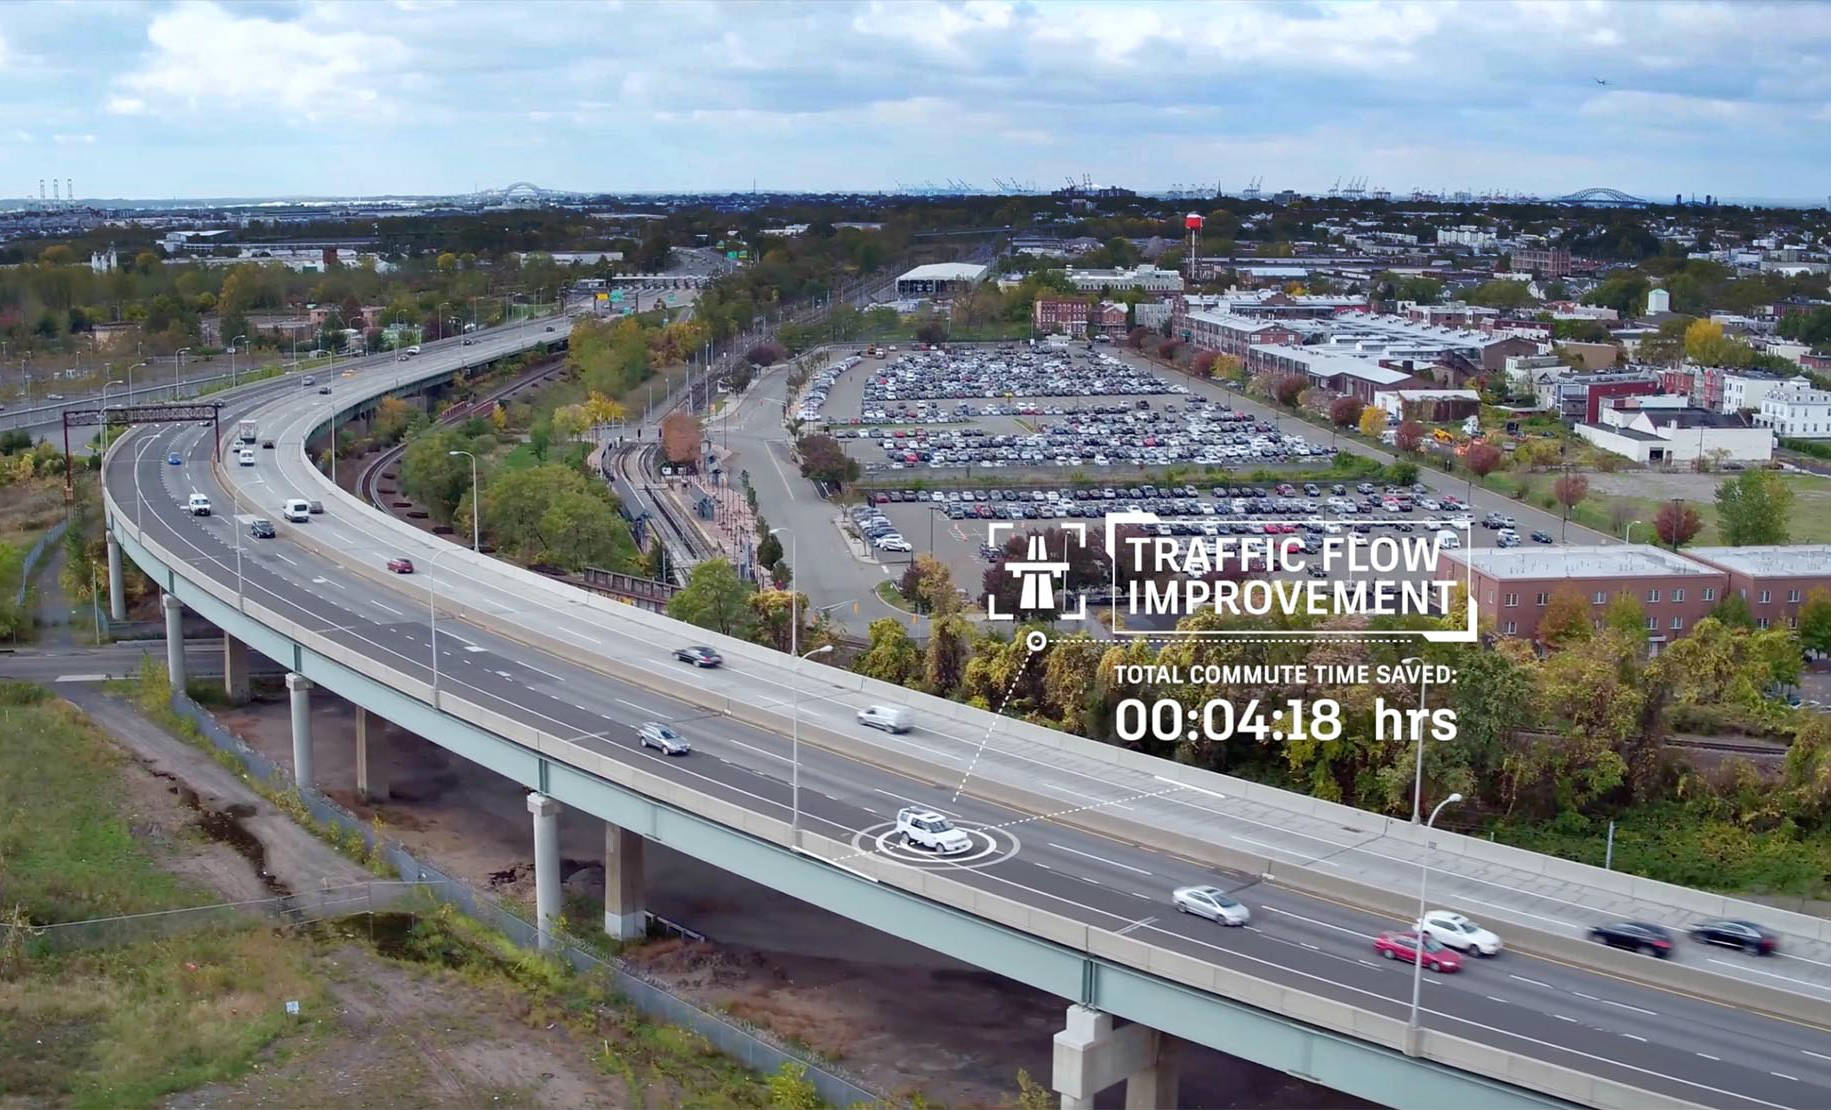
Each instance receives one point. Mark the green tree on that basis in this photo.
(1626, 291)
(716, 598)
(1732, 610)
(1501, 293)
(1815, 621)
(945, 662)
(1753, 509)
(431, 476)
(579, 530)
(1625, 614)
(890, 656)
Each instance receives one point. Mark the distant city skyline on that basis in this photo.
(424, 97)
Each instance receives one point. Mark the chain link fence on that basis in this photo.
(751, 1046)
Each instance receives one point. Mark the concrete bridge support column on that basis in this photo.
(117, 585)
(546, 864)
(174, 641)
(1091, 1055)
(235, 670)
(371, 767)
(624, 918)
(300, 687)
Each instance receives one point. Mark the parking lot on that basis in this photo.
(977, 412)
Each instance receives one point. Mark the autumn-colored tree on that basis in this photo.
(1569, 490)
(681, 437)
(1481, 460)
(1567, 617)
(1676, 523)
(570, 421)
(1227, 368)
(1203, 364)
(1345, 412)
(499, 417)
(1285, 389)
(1707, 345)
(891, 655)
(1409, 435)
(1372, 421)
(1137, 337)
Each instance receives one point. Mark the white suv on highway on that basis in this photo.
(924, 828)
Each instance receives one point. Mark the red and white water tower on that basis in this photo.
(1193, 223)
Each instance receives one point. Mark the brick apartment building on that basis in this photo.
(1228, 334)
(1513, 586)
(1773, 580)
(1554, 263)
(1060, 315)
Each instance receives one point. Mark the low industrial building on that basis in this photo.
(1145, 278)
(1436, 406)
(1659, 435)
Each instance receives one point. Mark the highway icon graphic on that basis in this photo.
(1042, 578)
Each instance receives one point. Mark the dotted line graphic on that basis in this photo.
(1030, 651)
(1083, 809)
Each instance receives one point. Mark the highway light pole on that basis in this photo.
(178, 371)
(476, 503)
(130, 381)
(432, 619)
(1418, 930)
(1418, 763)
(795, 748)
(1629, 528)
(232, 344)
(105, 386)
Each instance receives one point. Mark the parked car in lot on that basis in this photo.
(1636, 936)
(656, 735)
(699, 655)
(927, 829)
(1212, 903)
(1453, 930)
(1732, 933)
(1405, 946)
(890, 718)
(400, 564)
(261, 528)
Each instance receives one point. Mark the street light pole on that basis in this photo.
(178, 371)
(232, 344)
(1629, 528)
(476, 503)
(1418, 930)
(130, 381)
(1418, 762)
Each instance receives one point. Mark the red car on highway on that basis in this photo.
(1404, 946)
(401, 565)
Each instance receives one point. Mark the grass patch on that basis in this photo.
(1809, 519)
(1673, 843)
(893, 597)
(32, 507)
(125, 1026)
(67, 850)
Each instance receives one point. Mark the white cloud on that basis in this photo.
(206, 58)
(84, 139)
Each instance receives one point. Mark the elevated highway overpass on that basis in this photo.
(1077, 843)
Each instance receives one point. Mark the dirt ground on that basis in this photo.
(903, 1018)
(403, 1036)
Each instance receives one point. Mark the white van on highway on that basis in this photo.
(245, 457)
(297, 509)
(198, 505)
(890, 718)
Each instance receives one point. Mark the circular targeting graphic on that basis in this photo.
(1035, 640)
(989, 846)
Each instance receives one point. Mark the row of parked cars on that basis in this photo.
(876, 529)
(1135, 439)
(1010, 373)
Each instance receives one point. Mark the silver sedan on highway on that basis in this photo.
(1212, 903)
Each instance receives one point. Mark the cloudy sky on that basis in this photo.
(420, 96)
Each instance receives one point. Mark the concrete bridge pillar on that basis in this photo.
(174, 641)
(624, 918)
(371, 763)
(235, 670)
(300, 689)
(1091, 1055)
(117, 584)
(546, 813)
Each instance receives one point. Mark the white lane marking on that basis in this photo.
(1592, 997)
(914, 802)
(754, 748)
(504, 674)
(1314, 921)
(1708, 1056)
(1635, 1037)
(1535, 982)
(284, 559)
(1045, 866)
(1562, 1017)
(1493, 998)
(1562, 922)
(1197, 789)
(1784, 1075)
(1626, 1006)
(1136, 924)
(644, 708)
(1769, 974)
(1366, 963)
(1310, 946)
(1136, 894)
(471, 647)
(1099, 859)
(386, 608)
(1085, 879)
(1821, 1055)
(81, 678)
(538, 670)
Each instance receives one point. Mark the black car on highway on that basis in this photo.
(1636, 936)
(1732, 933)
(261, 528)
(699, 655)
